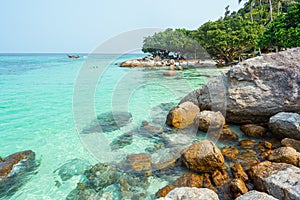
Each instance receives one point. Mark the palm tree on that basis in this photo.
(250, 4)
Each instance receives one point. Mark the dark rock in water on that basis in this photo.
(285, 125)
(101, 176)
(254, 90)
(227, 135)
(133, 187)
(230, 152)
(139, 164)
(72, 168)
(15, 170)
(109, 121)
(121, 141)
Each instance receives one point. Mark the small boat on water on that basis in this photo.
(73, 57)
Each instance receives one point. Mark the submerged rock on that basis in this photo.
(189, 180)
(253, 195)
(72, 168)
(238, 172)
(247, 144)
(280, 180)
(253, 130)
(191, 193)
(210, 120)
(203, 156)
(227, 135)
(286, 155)
(286, 125)
(139, 163)
(182, 115)
(109, 121)
(230, 152)
(288, 142)
(254, 90)
(15, 170)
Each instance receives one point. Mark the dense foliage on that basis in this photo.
(236, 35)
(284, 31)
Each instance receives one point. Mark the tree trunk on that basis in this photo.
(251, 15)
(271, 10)
(278, 7)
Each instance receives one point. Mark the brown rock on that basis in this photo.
(183, 115)
(247, 144)
(289, 142)
(7, 164)
(249, 153)
(220, 177)
(238, 172)
(285, 155)
(140, 163)
(189, 180)
(230, 152)
(250, 162)
(203, 156)
(228, 135)
(265, 154)
(164, 191)
(238, 187)
(253, 130)
(210, 120)
(207, 182)
(263, 146)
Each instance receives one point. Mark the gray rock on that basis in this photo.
(253, 194)
(288, 142)
(285, 125)
(280, 180)
(254, 90)
(191, 193)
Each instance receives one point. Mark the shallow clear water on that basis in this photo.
(36, 109)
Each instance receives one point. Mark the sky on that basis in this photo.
(80, 26)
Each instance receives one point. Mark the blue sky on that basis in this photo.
(80, 26)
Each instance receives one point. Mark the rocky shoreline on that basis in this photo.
(149, 61)
(262, 95)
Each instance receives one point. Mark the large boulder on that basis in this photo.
(203, 156)
(253, 130)
(254, 90)
(286, 125)
(183, 115)
(191, 193)
(280, 180)
(253, 194)
(210, 120)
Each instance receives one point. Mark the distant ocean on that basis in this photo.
(36, 109)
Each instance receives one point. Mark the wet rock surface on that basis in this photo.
(15, 170)
(285, 155)
(189, 180)
(285, 125)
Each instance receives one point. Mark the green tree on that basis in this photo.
(229, 38)
(284, 31)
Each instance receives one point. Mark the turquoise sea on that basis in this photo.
(39, 110)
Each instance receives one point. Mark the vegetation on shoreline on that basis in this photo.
(253, 29)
